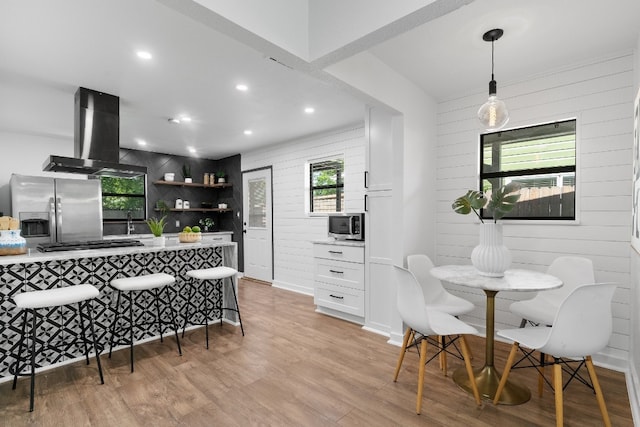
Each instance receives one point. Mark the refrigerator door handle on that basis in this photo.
(58, 220)
(53, 221)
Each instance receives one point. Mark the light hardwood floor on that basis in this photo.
(294, 367)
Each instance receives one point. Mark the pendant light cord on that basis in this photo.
(492, 42)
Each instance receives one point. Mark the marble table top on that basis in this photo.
(513, 280)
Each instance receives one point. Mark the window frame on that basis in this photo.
(534, 171)
(143, 196)
(309, 187)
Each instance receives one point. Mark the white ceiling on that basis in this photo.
(48, 49)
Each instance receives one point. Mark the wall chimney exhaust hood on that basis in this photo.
(96, 139)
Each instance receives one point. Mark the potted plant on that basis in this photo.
(186, 173)
(206, 223)
(221, 177)
(502, 202)
(157, 228)
(163, 207)
(491, 257)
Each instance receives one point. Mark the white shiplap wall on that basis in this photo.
(293, 230)
(600, 95)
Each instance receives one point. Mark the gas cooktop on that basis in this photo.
(88, 244)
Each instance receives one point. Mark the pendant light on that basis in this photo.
(493, 114)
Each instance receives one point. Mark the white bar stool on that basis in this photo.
(133, 286)
(216, 276)
(30, 302)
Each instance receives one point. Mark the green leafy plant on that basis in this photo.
(163, 207)
(186, 170)
(206, 222)
(157, 225)
(502, 202)
(221, 174)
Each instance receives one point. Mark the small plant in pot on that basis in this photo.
(186, 173)
(157, 228)
(206, 224)
(502, 202)
(491, 257)
(221, 177)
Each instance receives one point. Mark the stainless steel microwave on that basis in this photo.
(346, 226)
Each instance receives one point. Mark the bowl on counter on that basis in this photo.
(189, 237)
(206, 205)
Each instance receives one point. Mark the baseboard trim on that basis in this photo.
(293, 288)
(633, 390)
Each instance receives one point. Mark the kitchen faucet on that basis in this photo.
(130, 226)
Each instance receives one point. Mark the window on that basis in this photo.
(542, 159)
(326, 186)
(121, 196)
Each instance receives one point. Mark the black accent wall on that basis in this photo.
(158, 164)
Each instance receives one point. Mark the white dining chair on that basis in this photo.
(422, 322)
(541, 309)
(437, 297)
(581, 328)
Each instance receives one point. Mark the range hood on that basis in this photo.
(96, 139)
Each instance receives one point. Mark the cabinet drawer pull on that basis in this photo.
(336, 271)
(336, 252)
(336, 296)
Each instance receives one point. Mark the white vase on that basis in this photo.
(491, 257)
(188, 180)
(158, 241)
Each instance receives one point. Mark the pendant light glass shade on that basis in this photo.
(493, 114)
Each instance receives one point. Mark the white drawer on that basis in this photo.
(338, 252)
(341, 273)
(338, 298)
(216, 238)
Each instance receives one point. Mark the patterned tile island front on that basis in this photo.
(35, 271)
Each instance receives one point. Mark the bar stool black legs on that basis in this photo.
(215, 276)
(133, 286)
(31, 302)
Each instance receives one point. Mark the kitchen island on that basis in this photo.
(37, 271)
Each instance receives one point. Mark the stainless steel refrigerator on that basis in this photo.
(54, 210)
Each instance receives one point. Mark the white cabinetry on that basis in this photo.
(339, 280)
(384, 219)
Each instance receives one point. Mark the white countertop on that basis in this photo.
(329, 241)
(33, 255)
(170, 235)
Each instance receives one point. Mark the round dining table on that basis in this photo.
(487, 377)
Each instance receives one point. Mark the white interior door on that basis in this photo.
(257, 224)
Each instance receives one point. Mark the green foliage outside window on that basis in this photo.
(123, 195)
(327, 186)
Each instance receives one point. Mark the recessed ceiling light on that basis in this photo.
(309, 110)
(174, 120)
(248, 132)
(141, 141)
(143, 54)
(185, 119)
(242, 87)
(191, 149)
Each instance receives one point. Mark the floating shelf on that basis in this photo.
(197, 210)
(193, 184)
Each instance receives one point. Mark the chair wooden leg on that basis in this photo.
(557, 389)
(423, 362)
(543, 359)
(467, 364)
(443, 355)
(598, 390)
(505, 374)
(405, 341)
(466, 344)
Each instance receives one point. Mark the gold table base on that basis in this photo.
(487, 379)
